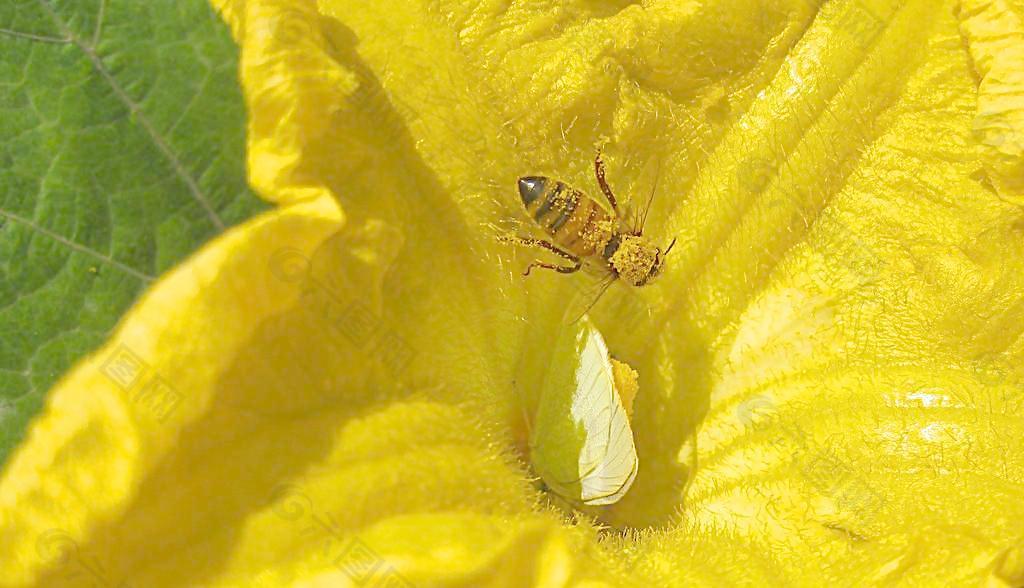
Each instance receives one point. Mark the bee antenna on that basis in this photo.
(647, 209)
(670, 246)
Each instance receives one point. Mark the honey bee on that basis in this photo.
(580, 228)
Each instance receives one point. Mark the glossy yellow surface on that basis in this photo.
(830, 391)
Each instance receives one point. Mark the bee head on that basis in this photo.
(659, 260)
(637, 261)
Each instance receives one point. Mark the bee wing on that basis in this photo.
(588, 289)
(582, 444)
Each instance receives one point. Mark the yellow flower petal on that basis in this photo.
(113, 423)
(994, 32)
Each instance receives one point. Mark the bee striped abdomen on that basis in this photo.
(575, 222)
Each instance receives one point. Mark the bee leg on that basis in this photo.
(562, 269)
(599, 172)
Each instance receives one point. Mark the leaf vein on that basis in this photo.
(136, 111)
(101, 14)
(106, 259)
(34, 37)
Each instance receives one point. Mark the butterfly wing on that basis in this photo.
(582, 445)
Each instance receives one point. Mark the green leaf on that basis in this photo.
(121, 152)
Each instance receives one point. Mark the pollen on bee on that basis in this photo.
(597, 238)
(633, 260)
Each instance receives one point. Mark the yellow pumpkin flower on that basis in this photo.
(332, 394)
